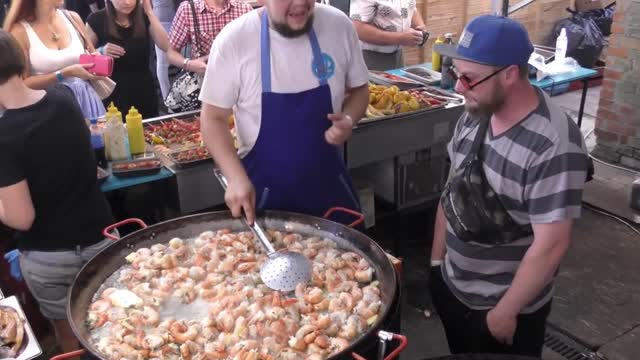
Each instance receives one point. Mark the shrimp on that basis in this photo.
(176, 243)
(189, 350)
(297, 344)
(351, 257)
(275, 313)
(314, 295)
(150, 316)
(225, 321)
(337, 345)
(364, 276)
(291, 238)
(310, 253)
(197, 273)
(246, 266)
(314, 356)
(244, 345)
(136, 341)
(322, 341)
(322, 305)
(181, 333)
(96, 319)
(100, 306)
(305, 331)
(153, 341)
(215, 350)
(347, 300)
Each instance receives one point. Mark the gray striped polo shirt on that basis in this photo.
(538, 169)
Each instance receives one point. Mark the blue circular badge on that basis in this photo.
(326, 70)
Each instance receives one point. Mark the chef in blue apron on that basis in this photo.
(293, 75)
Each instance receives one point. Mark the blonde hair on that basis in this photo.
(18, 11)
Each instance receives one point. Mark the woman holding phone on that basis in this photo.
(122, 30)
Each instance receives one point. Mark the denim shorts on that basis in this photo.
(49, 275)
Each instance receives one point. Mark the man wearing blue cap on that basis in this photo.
(518, 167)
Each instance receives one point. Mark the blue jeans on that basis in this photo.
(164, 11)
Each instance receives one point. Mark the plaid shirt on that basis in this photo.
(210, 22)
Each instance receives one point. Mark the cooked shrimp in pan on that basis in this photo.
(203, 298)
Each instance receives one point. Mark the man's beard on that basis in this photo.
(285, 30)
(487, 109)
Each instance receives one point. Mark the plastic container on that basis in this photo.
(447, 81)
(115, 136)
(561, 46)
(136, 133)
(436, 59)
(97, 143)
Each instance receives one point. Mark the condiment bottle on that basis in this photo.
(115, 135)
(136, 134)
(436, 59)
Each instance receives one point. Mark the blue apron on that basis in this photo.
(291, 165)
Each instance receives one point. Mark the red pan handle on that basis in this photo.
(68, 355)
(394, 353)
(348, 211)
(107, 231)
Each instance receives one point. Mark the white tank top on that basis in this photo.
(44, 60)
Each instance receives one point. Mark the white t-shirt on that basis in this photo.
(388, 15)
(233, 77)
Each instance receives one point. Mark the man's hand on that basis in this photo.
(341, 129)
(502, 325)
(410, 37)
(241, 195)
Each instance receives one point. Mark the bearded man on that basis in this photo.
(518, 168)
(285, 71)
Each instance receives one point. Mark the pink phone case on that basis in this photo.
(102, 64)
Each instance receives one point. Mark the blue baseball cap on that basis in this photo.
(491, 40)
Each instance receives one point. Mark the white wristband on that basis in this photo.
(436, 263)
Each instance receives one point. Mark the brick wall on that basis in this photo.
(618, 119)
(443, 16)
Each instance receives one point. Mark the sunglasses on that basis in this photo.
(466, 82)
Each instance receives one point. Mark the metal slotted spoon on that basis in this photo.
(283, 270)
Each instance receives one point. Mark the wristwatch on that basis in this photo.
(59, 75)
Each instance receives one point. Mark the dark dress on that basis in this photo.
(131, 72)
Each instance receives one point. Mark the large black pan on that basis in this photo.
(106, 262)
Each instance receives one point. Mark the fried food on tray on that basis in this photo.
(12, 334)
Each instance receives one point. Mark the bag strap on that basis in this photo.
(478, 140)
(196, 27)
(88, 46)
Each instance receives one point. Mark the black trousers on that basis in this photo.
(467, 331)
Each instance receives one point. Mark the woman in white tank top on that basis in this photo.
(53, 48)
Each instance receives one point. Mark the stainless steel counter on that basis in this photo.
(388, 140)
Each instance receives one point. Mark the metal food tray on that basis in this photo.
(435, 76)
(185, 116)
(136, 172)
(187, 164)
(32, 348)
(431, 89)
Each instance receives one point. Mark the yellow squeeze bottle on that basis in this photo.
(436, 58)
(136, 134)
